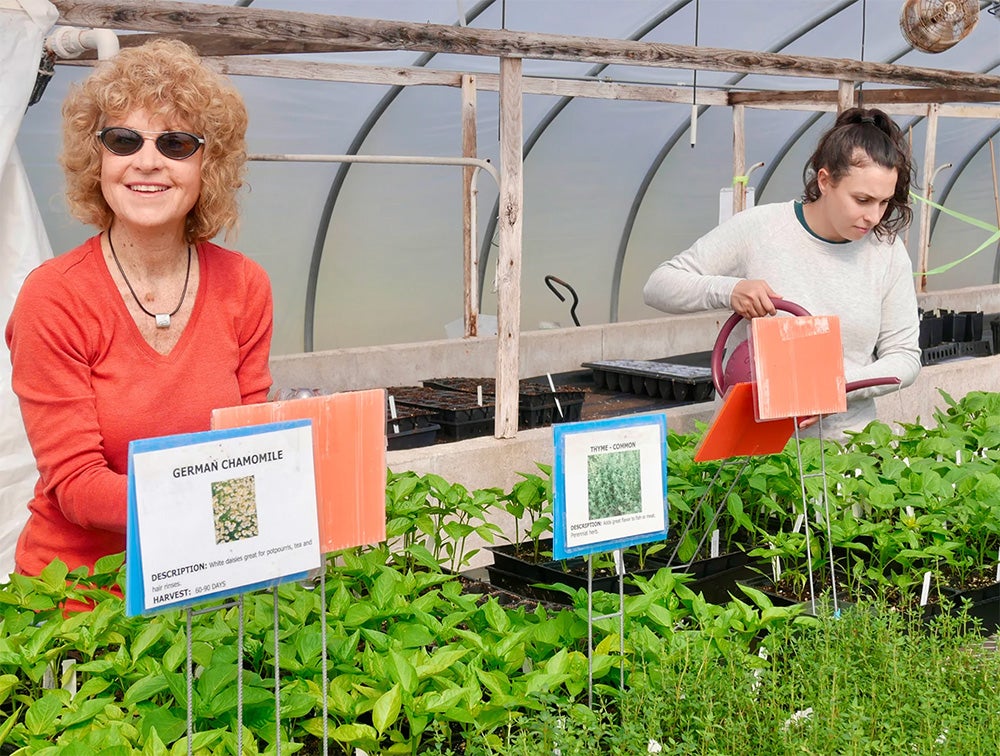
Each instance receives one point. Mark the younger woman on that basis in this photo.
(835, 252)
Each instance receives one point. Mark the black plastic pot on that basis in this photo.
(515, 569)
(984, 604)
(931, 331)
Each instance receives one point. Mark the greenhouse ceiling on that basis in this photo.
(615, 179)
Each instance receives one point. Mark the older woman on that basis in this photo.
(146, 327)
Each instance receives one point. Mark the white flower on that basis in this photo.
(797, 717)
(943, 737)
(653, 746)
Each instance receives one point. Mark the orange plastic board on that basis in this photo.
(735, 432)
(798, 366)
(349, 445)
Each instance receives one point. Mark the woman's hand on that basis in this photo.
(805, 422)
(752, 299)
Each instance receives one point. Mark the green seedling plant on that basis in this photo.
(531, 498)
(416, 664)
(430, 521)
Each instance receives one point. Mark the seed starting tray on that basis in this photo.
(951, 350)
(536, 401)
(411, 427)
(682, 383)
(459, 414)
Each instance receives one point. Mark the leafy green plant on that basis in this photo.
(531, 498)
(429, 521)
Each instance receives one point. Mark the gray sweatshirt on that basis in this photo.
(868, 284)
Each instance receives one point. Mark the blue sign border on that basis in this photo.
(135, 594)
(560, 549)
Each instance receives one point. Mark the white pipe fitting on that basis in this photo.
(70, 42)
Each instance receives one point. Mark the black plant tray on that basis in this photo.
(447, 406)
(459, 415)
(537, 403)
(985, 604)
(412, 427)
(703, 568)
(522, 575)
(951, 350)
(683, 383)
(407, 419)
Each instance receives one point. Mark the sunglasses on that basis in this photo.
(176, 145)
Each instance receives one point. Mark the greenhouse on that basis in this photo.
(459, 206)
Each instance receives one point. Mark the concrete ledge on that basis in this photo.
(485, 462)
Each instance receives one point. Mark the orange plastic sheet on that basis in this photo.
(735, 431)
(798, 366)
(349, 443)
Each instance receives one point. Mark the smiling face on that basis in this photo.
(848, 209)
(148, 192)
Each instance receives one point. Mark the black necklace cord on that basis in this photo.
(162, 319)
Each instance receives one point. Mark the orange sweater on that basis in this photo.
(88, 384)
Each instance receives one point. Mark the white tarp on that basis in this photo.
(23, 245)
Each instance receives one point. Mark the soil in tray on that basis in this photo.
(451, 406)
(527, 389)
(459, 415)
(538, 404)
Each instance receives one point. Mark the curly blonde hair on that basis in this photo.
(166, 78)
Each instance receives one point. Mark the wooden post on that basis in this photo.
(509, 256)
(925, 209)
(469, 253)
(739, 159)
(845, 95)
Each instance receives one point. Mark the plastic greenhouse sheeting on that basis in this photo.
(23, 245)
(609, 184)
(611, 187)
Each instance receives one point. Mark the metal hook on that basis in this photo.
(576, 299)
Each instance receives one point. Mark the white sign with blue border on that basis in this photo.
(609, 484)
(219, 513)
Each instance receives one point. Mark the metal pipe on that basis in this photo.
(482, 163)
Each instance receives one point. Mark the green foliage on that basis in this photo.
(873, 682)
(415, 664)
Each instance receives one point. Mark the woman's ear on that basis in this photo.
(823, 180)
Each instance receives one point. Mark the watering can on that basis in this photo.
(738, 368)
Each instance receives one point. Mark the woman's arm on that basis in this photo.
(254, 372)
(897, 350)
(49, 350)
(703, 276)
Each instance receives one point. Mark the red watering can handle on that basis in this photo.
(869, 382)
(727, 328)
(793, 309)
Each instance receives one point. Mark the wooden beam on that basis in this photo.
(991, 112)
(347, 33)
(923, 252)
(845, 95)
(872, 96)
(509, 255)
(212, 43)
(470, 257)
(739, 158)
(308, 70)
(486, 82)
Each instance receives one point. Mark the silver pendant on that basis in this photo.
(162, 320)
